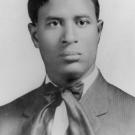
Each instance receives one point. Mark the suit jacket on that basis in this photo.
(110, 110)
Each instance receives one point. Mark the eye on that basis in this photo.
(53, 23)
(83, 22)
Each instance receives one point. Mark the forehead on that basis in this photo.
(67, 7)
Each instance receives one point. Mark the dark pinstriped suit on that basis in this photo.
(110, 110)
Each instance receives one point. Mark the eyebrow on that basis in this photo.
(62, 18)
(82, 16)
(53, 18)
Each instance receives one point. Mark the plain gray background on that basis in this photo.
(21, 67)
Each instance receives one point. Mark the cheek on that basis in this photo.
(47, 39)
(91, 42)
(48, 44)
(49, 36)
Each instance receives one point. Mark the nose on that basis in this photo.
(69, 35)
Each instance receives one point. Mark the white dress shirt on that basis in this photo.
(60, 123)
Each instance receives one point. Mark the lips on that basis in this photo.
(70, 56)
(69, 53)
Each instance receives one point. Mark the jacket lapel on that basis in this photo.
(34, 101)
(97, 97)
(96, 101)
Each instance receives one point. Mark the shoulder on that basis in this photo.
(120, 96)
(117, 100)
(121, 105)
(18, 106)
(15, 114)
(121, 112)
(117, 94)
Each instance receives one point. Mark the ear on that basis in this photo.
(33, 32)
(100, 26)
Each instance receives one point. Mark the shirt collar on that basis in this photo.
(88, 81)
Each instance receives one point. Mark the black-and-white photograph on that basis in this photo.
(67, 67)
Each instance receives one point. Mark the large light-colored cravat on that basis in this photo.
(79, 124)
(60, 123)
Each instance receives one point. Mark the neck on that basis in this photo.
(70, 78)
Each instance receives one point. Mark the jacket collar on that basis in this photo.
(97, 97)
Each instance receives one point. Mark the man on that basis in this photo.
(67, 34)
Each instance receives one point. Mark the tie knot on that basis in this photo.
(76, 89)
(53, 92)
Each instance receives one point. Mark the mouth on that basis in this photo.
(70, 56)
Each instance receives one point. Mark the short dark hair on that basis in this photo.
(34, 5)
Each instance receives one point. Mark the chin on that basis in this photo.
(74, 70)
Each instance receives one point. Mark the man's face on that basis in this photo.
(67, 34)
